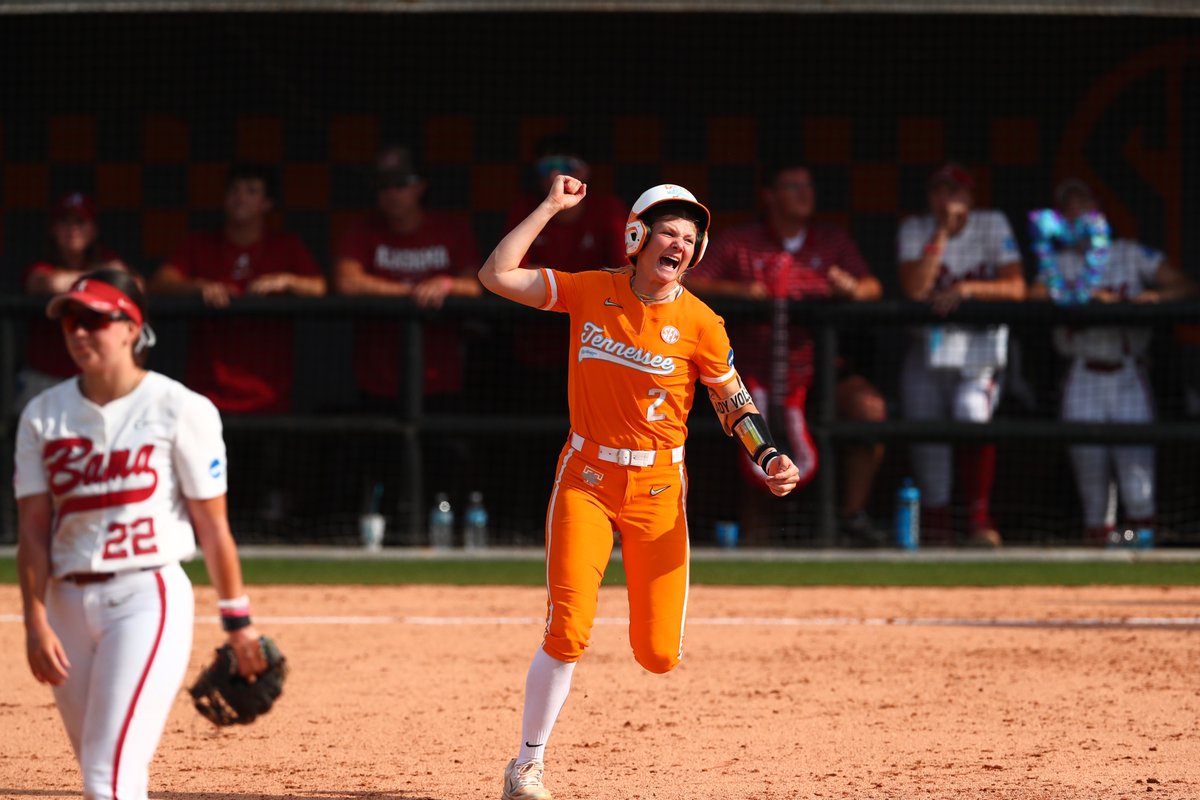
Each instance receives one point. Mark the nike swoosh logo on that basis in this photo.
(655, 491)
(608, 301)
(527, 744)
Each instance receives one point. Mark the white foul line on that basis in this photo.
(768, 622)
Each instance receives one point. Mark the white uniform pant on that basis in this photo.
(934, 393)
(128, 640)
(1119, 395)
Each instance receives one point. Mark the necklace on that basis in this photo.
(1051, 233)
(645, 298)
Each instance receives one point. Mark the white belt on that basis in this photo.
(624, 456)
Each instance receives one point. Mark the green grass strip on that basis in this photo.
(712, 573)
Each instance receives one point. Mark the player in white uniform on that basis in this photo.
(949, 255)
(1106, 379)
(118, 472)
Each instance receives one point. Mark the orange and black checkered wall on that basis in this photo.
(148, 111)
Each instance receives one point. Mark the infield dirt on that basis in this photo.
(812, 696)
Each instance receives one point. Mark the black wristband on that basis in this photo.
(231, 623)
(752, 432)
(768, 458)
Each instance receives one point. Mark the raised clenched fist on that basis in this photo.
(566, 192)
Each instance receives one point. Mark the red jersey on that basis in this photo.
(44, 347)
(442, 246)
(595, 239)
(755, 252)
(242, 365)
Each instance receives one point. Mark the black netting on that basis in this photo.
(146, 112)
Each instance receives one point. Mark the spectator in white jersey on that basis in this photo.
(1107, 379)
(954, 253)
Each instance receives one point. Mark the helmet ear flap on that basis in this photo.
(701, 246)
(635, 237)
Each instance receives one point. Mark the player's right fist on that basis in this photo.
(566, 192)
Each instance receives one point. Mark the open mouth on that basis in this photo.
(670, 262)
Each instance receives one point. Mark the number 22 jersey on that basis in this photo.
(117, 474)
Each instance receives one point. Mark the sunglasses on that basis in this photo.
(564, 165)
(90, 321)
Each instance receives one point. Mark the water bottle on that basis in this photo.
(1145, 538)
(441, 522)
(371, 523)
(475, 523)
(908, 516)
(727, 534)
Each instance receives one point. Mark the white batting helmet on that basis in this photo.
(636, 231)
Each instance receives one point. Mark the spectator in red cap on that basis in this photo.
(790, 254)
(403, 250)
(588, 236)
(242, 365)
(954, 253)
(73, 248)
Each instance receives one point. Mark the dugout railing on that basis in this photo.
(406, 429)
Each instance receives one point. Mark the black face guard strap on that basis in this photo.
(751, 430)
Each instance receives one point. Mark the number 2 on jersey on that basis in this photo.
(140, 533)
(652, 414)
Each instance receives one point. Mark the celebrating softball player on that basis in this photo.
(118, 472)
(639, 342)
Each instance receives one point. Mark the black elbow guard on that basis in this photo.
(752, 431)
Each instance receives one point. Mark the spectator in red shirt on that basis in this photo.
(402, 250)
(590, 235)
(242, 365)
(790, 254)
(73, 248)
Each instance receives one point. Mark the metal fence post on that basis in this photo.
(826, 383)
(412, 396)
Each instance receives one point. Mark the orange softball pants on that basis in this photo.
(648, 506)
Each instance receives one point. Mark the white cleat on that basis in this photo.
(524, 781)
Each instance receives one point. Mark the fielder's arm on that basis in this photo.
(741, 419)
(502, 273)
(47, 658)
(211, 523)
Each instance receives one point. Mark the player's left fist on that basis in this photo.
(782, 475)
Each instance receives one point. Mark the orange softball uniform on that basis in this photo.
(632, 382)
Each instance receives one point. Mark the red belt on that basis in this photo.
(86, 578)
